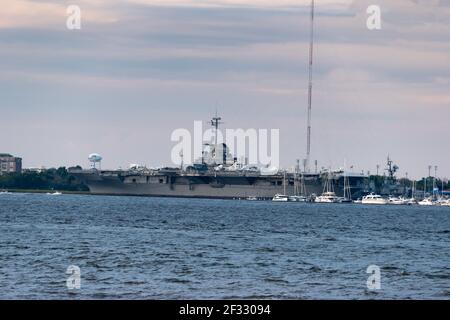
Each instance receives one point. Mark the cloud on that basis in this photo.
(146, 67)
(279, 4)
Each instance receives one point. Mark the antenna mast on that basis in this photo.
(215, 123)
(311, 52)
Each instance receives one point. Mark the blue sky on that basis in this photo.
(138, 69)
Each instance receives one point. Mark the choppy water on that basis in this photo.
(157, 248)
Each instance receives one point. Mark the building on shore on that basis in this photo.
(10, 164)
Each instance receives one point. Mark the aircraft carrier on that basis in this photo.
(208, 184)
(230, 180)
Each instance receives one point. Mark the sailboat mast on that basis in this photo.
(311, 52)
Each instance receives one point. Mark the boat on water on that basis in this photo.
(328, 195)
(347, 198)
(427, 202)
(344, 200)
(298, 199)
(397, 200)
(374, 199)
(445, 203)
(252, 199)
(56, 193)
(411, 201)
(280, 198)
(5, 192)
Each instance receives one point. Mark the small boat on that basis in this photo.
(373, 199)
(411, 201)
(56, 193)
(327, 197)
(344, 200)
(426, 202)
(252, 199)
(347, 198)
(280, 198)
(297, 199)
(446, 203)
(397, 201)
(4, 192)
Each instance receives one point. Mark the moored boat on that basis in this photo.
(374, 199)
(280, 198)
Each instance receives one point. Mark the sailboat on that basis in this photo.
(299, 195)
(328, 195)
(347, 198)
(412, 201)
(282, 197)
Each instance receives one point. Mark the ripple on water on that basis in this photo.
(140, 248)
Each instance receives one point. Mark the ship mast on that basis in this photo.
(215, 123)
(311, 52)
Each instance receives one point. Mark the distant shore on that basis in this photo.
(46, 191)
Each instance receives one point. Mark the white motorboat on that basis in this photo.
(374, 199)
(297, 199)
(56, 193)
(280, 198)
(446, 203)
(327, 197)
(426, 202)
(397, 201)
(252, 199)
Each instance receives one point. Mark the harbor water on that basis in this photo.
(163, 248)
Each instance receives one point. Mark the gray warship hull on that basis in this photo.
(224, 185)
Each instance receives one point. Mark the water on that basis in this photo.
(157, 248)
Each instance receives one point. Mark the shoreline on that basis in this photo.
(40, 191)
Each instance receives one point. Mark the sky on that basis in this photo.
(139, 69)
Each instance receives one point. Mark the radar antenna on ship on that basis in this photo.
(215, 122)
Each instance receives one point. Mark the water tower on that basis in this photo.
(95, 158)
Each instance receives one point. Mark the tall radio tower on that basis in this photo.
(311, 52)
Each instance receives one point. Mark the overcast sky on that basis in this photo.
(138, 69)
